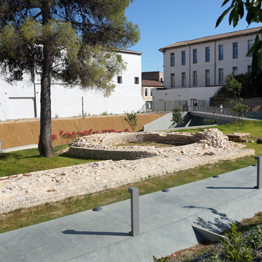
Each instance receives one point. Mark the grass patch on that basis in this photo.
(26, 161)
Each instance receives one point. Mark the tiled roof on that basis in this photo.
(152, 83)
(213, 38)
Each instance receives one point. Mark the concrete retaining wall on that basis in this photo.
(21, 132)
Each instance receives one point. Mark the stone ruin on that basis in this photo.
(105, 146)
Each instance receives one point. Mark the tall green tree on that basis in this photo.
(71, 40)
(177, 117)
(236, 11)
(234, 87)
(256, 73)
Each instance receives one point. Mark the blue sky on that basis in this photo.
(164, 22)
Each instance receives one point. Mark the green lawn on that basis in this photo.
(19, 162)
(25, 161)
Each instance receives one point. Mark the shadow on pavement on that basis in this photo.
(74, 232)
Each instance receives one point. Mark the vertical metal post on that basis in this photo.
(82, 106)
(258, 158)
(134, 211)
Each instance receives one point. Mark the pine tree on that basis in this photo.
(71, 40)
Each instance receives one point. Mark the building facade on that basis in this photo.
(195, 70)
(22, 99)
(208, 60)
(150, 82)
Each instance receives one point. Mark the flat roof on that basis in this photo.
(130, 52)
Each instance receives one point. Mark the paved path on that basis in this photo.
(166, 221)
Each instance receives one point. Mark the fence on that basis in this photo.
(227, 111)
(168, 106)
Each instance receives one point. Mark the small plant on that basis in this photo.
(131, 119)
(54, 136)
(251, 116)
(162, 259)
(104, 113)
(236, 248)
(207, 121)
(177, 115)
(254, 240)
(56, 116)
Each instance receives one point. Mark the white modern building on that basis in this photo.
(22, 99)
(205, 62)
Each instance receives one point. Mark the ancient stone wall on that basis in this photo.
(105, 146)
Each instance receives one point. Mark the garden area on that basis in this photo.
(29, 161)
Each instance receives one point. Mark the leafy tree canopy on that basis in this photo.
(236, 11)
(71, 40)
(177, 115)
(131, 119)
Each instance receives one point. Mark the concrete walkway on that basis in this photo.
(166, 221)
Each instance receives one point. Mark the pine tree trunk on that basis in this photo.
(45, 141)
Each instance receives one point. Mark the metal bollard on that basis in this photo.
(258, 158)
(134, 211)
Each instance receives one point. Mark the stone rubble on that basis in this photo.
(32, 189)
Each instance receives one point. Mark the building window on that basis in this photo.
(249, 68)
(235, 50)
(221, 52)
(249, 45)
(172, 80)
(194, 56)
(172, 59)
(220, 76)
(149, 105)
(145, 91)
(194, 78)
(119, 79)
(183, 57)
(235, 70)
(136, 80)
(151, 91)
(208, 54)
(207, 77)
(183, 79)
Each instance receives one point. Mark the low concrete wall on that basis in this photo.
(109, 154)
(26, 132)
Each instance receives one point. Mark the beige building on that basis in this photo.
(151, 81)
(206, 61)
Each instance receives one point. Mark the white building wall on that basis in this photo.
(17, 100)
(227, 63)
(188, 94)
